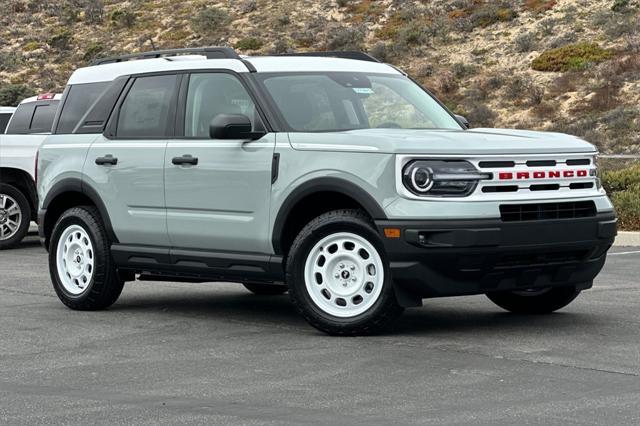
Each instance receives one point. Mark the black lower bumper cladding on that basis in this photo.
(451, 258)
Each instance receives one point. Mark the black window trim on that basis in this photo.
(63, 101)
(110, 129)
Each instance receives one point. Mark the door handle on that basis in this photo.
(107, 159)
(185, 159)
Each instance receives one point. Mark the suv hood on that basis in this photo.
(442, 142)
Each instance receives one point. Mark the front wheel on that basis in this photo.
(338, 275)
(535, 301)
(82, 271)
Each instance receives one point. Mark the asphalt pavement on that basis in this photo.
(170, 353)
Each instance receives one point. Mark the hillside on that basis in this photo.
(566, 65)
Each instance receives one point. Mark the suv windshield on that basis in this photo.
(325, 102)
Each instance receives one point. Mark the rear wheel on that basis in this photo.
(339, 277)
(535, 301)
(15, 216)
(265, 289)
(82, 271)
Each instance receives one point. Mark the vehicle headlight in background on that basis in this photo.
(441, 178)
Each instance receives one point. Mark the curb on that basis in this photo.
(628, 238)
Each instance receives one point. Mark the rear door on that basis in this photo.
(221, 203)
(125, 165)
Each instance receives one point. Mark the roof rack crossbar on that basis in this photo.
(209, 52)
(347, 54)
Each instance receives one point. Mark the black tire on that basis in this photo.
(535, 303)
(380, 314)
(265, 289)
(25, 212)
(105, 286)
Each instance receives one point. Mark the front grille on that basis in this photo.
(547, 211)
(533, 259)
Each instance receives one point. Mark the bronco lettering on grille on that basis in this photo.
(543, 174)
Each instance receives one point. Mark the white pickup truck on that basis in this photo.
(26, 128)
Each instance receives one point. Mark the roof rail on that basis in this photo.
(360, 56)
(209, 52)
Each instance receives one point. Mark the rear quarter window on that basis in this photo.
(79, 100)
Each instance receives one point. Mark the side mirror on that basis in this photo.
(232, 126)
(462, 121)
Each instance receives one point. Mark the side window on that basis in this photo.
(79, 99)
(42, 119)
(146, 111)
(33, 117)
(21, 119)
(212, 94)
(4, 120)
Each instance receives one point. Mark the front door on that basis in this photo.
(218, 191)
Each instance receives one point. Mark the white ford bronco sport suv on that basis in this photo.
(26, 128)
(328, 175)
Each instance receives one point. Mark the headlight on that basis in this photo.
(441, 178)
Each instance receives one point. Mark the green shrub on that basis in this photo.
(525, 42)
(248, 6)
(249, 43)
(93, 11)
(570, 57)
(380, 51)
(61, 40)
(345, 38)
(31, 46)
(12, 94)
(93, 50)
(9, 61)
(210, 21)
(621, 180)
(121, 18)
(489, 15)
(480, 115)
(627, 204)
(623, 186)
(462, 70)
(620, 5)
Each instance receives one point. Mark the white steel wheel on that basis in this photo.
(344, 275)
(75, 259)
(10, 217)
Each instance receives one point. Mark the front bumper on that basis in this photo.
(460, 257)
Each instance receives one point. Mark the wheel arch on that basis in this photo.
(68, 193)
(23, 181)
(313, 198)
